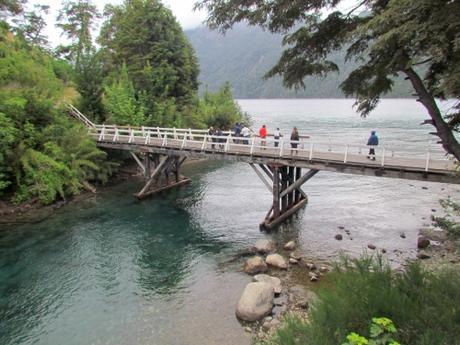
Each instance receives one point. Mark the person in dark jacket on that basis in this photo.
(373, 141)
(294, 140)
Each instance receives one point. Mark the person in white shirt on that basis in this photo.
(245, 133)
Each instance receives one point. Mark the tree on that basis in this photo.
(10, 7)
(122, 106)
(32, 24)
(77, 19)
(144, 35)
(386, 37)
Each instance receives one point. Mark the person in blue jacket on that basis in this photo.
(373, 141)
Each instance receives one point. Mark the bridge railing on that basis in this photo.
(305, 148)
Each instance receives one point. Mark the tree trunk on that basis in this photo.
(448, 141)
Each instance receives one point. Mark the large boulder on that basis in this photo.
(276, 260)
(256, 302)
(255, 265)
(264, 246)
(273, 281)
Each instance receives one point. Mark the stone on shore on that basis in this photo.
(293, 261)
(276, 260)
(371, 246)
(255, 265)
(313, 276)
(290, 245)
(273, 281)
(256, 302)
(264, 246)
(423, 242)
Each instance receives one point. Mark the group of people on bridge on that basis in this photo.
(243, 131)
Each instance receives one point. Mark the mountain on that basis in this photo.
(243, 55)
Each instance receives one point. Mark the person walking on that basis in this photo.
(263, 135)
(294, 140)
(372, 142)
(277, 136)
(246, 134)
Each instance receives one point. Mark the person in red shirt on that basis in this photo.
(263, 135)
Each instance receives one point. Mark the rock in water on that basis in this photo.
(264, 246)
(276, 260)
(338, 237)
(273, 281)
(371, 246)
(290, 245)
(423, 242)
(256, 302)
(255, 265)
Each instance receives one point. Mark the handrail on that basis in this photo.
(186, 139)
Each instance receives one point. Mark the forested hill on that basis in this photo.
(245, 54)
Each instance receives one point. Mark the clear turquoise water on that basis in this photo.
(112, 270)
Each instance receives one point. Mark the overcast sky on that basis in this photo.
(182, 9)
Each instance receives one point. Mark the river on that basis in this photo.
(113, 270)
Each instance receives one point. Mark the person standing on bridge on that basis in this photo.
(263, 135)
(277, 136)
(372, 142)
(212, 133)
(246, 134)
(294, 140)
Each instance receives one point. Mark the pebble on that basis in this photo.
(371, 246)
(248, 329)
(338, 237)
(293, 261)
(402, 235)
(341, 227)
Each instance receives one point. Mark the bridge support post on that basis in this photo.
(165, 175)
(288, 196)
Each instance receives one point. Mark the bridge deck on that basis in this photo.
(197, 144)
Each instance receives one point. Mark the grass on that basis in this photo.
(424, 306)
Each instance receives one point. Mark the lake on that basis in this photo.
(114, 270)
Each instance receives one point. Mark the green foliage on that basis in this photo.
(424, 305)
(381, 333)
(161, 62)
(219, 110)
(77, 20)
(31, 25)
(121, 104)
(89, 79)
(43, 154)
(451, 221)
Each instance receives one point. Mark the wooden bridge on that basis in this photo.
(160, 152)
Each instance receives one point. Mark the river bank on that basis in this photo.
(437, 252)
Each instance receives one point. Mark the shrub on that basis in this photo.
(424, 305)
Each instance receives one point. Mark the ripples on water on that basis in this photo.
(112, 270)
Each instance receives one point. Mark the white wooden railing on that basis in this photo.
(307, 148)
